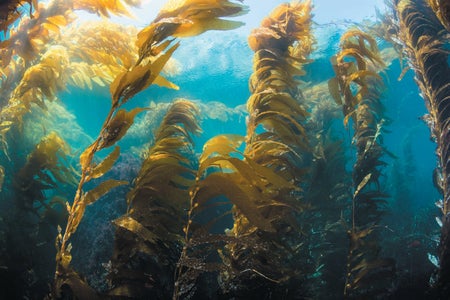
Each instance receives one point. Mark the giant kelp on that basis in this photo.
(358, 87)
(38, 203)
(154, 51)
(10, 11)
(442, 10)
(423, 39)
(327, 193)
(262, 215)
(252, 189)
(275, 143)
(149, 236)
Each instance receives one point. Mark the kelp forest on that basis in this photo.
(183, 160)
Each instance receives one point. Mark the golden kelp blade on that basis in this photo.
(240, 195)
(186, 18)
(105, 7)
(118, 127)
(106, 164)
(129, 83)
(101, 189)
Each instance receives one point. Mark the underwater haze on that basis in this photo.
(222, 149)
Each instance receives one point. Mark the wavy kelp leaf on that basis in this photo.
(362, 184)
(87, 155)
(106, 164)
(118, 126)
(131, 82)
(199, 16)
(135, 227)
(221, 145)
(101, 189)
(333, 86)
(105, 8)
(161, 81)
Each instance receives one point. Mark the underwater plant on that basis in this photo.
(267, 258)
(10, 11)
(424, 41)
(148, 238)
(295, 208)
(358, 88)
(327, 194)
(442, 10)
(155, 49)
(38, 203)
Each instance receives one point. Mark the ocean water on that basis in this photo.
(212, 70)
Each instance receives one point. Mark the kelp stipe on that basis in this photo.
(358, 87)
(148, 239)
(425, 44)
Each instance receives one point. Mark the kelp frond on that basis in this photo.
(223, 177)
(358, 87)
(10, 12)
(184, 18)
(106, 8)
(275, 144)
(149, 237)
(45, 167)
(442, 10)
(425, 44)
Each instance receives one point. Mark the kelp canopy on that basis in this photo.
(121, 179)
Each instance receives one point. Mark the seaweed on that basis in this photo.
(154, 52)
(423, 39)
(442, 10)
(149, 236)
(39, 208)
(10, 12)
(268, 258)
(358, 87)
(223, 179)
(327, 186)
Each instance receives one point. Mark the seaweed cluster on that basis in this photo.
(358, 88)
(421, 33)
(285, 211)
